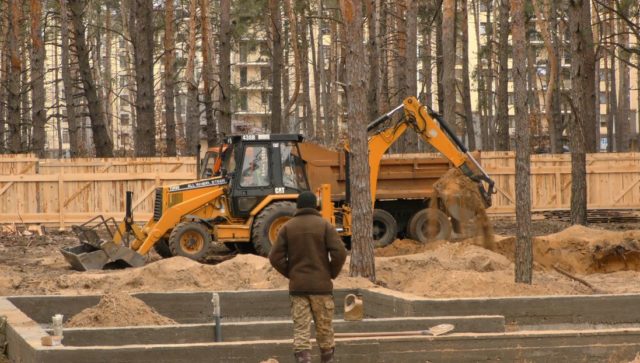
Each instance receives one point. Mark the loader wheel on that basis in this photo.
(190, 239)
(385, 228)
(268, 223)
(162, 248)
(429, 225)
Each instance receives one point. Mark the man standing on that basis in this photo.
(310, 254)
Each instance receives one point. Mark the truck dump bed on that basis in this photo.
(402, 176)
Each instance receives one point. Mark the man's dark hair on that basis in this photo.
(307, 200)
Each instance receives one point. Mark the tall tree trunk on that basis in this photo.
(449, 60)
(4, 72)
(293, 39)
(483, 91)
(439, 60)
(373, 56)
(169, 64)
(623, 132)
(324, 82)
(411, 68)
(556, 116)
(101, 139)
(466, 84)
(589, 80)
(426, 30)
(25, 124)
(612, 95)
(304, 69)
(317, 83)
(551, 46)
(143, 55)
(225, 67)
(38, 112)
(362, 258)
(524, 250)
(277, 62)
(108, 81)
(577, 127)
(193, 113)
(502, 117)
(67, 82)
(56, 98)
(14, 144)
(207, 74)
(383, 84)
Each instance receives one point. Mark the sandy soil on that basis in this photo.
(118, 309)
(33, 265)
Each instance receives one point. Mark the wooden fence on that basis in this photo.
(613, 181)
(63, 192)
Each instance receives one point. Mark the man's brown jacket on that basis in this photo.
(309, 253)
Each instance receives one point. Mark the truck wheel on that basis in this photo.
(268, 223)
(385, 228)
(162, 248)
(429, 225)
(190, 239)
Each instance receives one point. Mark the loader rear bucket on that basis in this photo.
(97, 249)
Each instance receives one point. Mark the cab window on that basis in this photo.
(255, 167)
(292, 167)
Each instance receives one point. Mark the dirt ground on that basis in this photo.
(605, 256)
(609, 260)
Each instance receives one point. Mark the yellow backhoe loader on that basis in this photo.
(249, 192)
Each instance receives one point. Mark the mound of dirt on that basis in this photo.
(583, 250)
(405, 247)
(118, 309)
(465, 270)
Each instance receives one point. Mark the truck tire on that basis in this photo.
(385, 228)
(268, 223)
(162, 248)
(190, 239)
(426, 219)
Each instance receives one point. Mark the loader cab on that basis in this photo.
(262, 165)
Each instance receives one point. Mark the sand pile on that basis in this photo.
(465, 270)
(243, 272)
(118, 309)
(583, 250)
(406, 247)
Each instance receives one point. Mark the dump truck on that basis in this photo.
(251, 193)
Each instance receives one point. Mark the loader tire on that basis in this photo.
(429, 225)
(268, 223)
(385, 228)
(162, 248)
(190, 239)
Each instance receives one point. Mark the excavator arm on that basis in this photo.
(433, 130)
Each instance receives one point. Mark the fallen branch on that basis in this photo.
(576, 278)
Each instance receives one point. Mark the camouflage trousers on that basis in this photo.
(319, 308)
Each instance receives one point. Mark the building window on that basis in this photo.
(265, 75)
(124, 119)
(243, 76)
(65, 136)
(264, 52)
(603, 97)
(123, 61)
(266, 99)
(244, 101)
(124, 139)
(244, 51)
(123, 81)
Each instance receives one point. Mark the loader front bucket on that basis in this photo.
(97, 249)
